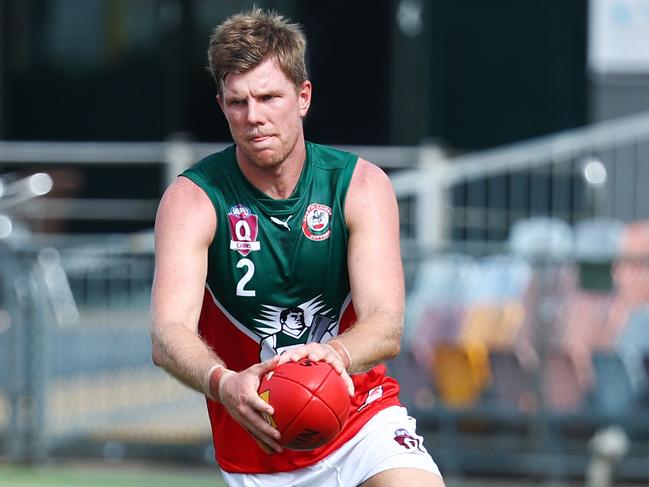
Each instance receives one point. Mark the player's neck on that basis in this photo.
(278, 181)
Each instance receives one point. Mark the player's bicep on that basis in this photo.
(374, 258)
(185, 225)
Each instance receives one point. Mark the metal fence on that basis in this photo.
(473, 200)
(514, 361)
(526, 326)
(511, 362)
(526, 329)
(78, 377)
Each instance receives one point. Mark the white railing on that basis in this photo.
(596, 170)
(174, 155)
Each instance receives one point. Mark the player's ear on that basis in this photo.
(219, 100)
(304, 97)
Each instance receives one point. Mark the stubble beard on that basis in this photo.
(271, 158)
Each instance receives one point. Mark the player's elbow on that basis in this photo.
(394, 348)
(157, 351)
(394, 342)
(156, 356)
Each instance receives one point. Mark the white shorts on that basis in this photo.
(387, 441)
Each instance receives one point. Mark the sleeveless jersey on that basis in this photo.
(277, 278)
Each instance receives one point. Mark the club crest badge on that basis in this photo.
(316, 224)
(243, 229)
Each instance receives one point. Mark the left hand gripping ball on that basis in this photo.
(310, 400)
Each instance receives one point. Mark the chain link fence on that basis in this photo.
(519, 360)
(75, 351)
(511, 361)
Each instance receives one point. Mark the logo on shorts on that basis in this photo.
(406, 440)
(316, 222)
(243, 229)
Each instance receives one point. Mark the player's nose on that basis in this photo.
(254, 113)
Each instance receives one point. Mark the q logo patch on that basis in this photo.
(243, 229)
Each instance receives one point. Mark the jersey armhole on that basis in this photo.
(200, 182)
(346, 180)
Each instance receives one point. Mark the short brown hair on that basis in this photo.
(245, 40)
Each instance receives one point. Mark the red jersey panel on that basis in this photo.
(236, 450)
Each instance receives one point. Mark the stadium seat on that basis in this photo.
(495, 325)
(612, 391)
(461, 373)
(567, 378)
(512, 379)
(495, 308)
(584, 324)
(598, 244)
(631, 275)
(546, 244)
(436, 304)
(633, 345)
(598, 238)
(540, 237)
(585, 319)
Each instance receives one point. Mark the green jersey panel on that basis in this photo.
(277, 268)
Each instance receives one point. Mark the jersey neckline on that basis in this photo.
(277, 206)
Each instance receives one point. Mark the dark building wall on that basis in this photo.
(506, 70)
(481, 74)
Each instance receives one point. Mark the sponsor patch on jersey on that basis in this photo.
(316, 224)
(373, 395)
(243, 229)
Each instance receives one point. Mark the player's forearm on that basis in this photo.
(373, 340)
(183, 354)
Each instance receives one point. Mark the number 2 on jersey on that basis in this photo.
(241, 285)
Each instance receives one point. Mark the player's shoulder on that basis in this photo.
(184, 200)
(370, 192)
(183, 190)
(328, 157)
(369, 177)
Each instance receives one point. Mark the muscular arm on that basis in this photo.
(376, 278)
(375, 270)
(185, 225)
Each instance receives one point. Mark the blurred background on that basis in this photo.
(516, 134)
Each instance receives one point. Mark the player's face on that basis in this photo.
(264, 110)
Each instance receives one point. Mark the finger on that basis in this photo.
(269, 443)
(265, 448)
(349, 382)
(261, 406)
(261, 423)
(322, 354)
(334, 360)
(266, 366)
(260, 429)
(292, 356)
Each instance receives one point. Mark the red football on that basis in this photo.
(310, 400)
